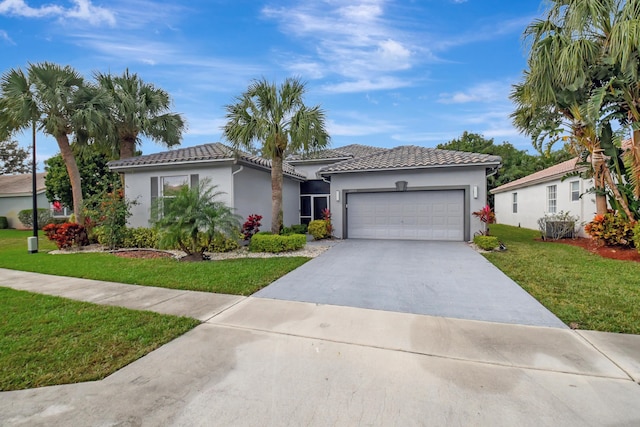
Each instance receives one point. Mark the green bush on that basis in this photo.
(275, 243)
(222, 243)
(318, 229)
(294, 229)
(4, 223)
(636, 236)
(141, 237)
(611, 229)
(487, 243)
(26, 217)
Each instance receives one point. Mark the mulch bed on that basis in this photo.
(142, 253)
(613, 252)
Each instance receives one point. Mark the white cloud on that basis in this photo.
(355, 124)
(356, 42)
(486, 92)
(354, 86)
(83, 10)
(5, 36)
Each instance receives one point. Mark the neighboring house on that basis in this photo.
(523, 201)
(16, 194)
(401, 193)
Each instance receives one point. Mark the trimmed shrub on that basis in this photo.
(26, 217)
(66, 235)
(318, 229)
(222, 243)
(275, 243)
(141, 237)
(487, 243)
(611, 229)
(4, 223)
(294, 229)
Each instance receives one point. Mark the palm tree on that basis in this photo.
(137, 108)
(570, 70)
(191, 219)
(277, 120)
(54, 98)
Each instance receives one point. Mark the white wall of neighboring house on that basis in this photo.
(424, 179)
(10, 206)
(533, 204)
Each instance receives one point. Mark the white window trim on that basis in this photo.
(514, 202)
(552, 207)
(571, 191)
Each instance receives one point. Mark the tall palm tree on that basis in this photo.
(277, 120)
(137, 108)
(53, 97)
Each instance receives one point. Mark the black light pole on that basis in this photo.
(33, 241)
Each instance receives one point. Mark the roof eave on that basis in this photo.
(507, 187)
(166, 164)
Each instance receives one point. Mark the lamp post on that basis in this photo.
(32, 242)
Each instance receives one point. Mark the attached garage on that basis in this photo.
(411, 215)
(409, 193)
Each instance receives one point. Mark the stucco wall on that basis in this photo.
(310, 169)
(11, 206)
(424, 179)
(252, 195)
(138, 187)
(532, 203)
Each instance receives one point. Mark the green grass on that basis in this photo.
(47, 340)
(577, 286)
(237, 277)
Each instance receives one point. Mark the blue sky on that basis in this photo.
(387, 72)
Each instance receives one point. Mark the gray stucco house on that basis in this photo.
(407, 192)
(16, 194)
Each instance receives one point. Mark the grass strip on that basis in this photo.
(46, 340)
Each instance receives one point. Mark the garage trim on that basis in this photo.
(466, 201)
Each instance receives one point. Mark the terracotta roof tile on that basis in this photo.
(16, 185)
(548, 174)
(410, 157)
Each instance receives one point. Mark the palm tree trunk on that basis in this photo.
(74, 176)
(127, 147)
(276, 193)
(599, 166)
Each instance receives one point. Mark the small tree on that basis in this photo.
(110, 211)
(13, 159)
(191, 219)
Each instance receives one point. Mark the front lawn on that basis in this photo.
(47, 340)
(577, 286)
(237, 277)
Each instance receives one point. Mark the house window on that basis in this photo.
(514, 197)
(314, 198)
(575, 190)
(167, 187)
(552, 201)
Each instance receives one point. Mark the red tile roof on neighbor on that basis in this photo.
(199, 153)
(20, 185)
(410, 157)
(548, 174)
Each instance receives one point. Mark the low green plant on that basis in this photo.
(636, 236)
(611, 229)
(294, 229)
(223, 243)
(487, 243)
(4, 223)
(141, 237)
(318, 229)
(275, 243)
(26, 217)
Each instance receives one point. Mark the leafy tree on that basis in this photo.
(137, 108)
(277, 120)
(92, 166)
(56, 100)
(13, 158)
(191, 219)
(515, 163)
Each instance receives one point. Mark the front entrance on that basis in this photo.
(314, 198)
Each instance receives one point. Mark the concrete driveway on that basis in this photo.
(447, 279)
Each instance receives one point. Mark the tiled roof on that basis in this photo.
(17, 185)
(548, 174)
(199, 153)
(346, 152)
(410, 157)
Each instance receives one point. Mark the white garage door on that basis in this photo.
(411, 215)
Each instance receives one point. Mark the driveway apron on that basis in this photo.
(447, 279)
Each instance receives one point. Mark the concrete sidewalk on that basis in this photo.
(257, 361)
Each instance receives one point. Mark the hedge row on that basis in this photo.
(275, 243)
